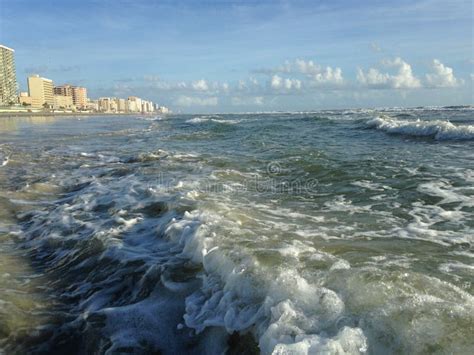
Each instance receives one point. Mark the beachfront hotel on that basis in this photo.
(132, 104)
(41, 91)
(78, 94)
(8, 84)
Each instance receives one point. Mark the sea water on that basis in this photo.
(344, 231)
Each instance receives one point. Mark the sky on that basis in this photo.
(249, 55)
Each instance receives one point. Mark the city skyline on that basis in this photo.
(243, 56)
(43, 95)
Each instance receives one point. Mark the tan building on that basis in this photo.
(41, 91)
(78, 94)
(147, 106)
(121, 105)
(24, 99)
(105, 104)
(8, 84)
(92, 105)
(134, 104)
(63, 102)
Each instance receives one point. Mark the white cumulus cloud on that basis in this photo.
(307, 67)
(441, 76)
(278, 82)
(200, 85)
(329, 76)
(307, 71)
(403, 79)
(318, 74)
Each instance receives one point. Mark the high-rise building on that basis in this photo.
(78, 94)
(121, 105)
(134, 104)
(8, 84)
(41, 91)
(107, 104)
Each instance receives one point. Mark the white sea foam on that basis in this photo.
(370, 185)
(216, 119)
(286, 314)
(436, 129)
(4, 156)
(261, 266)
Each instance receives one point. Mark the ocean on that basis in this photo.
(340, 232)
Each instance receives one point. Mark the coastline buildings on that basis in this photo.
(163, 110)
(25, 99)
(8, 84)
(121, 105)
(63, 102)
(132, 104)
(43, 95)
(78, 94)
(41, 92)
(92, 105)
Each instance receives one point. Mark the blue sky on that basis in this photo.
(237, 56)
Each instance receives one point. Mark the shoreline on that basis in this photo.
(28, 114)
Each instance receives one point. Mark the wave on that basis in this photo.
(436, 129)
(149, 118)
(140, 263)
(215, 119)
(4, 156)
(4, 161)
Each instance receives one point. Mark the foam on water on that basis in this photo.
(215, 119)
(437, 129)
(150, 243)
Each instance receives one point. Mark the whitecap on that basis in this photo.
(436, 129)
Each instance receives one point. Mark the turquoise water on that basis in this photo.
(287, 233)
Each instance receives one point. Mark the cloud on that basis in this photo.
(373, 77)
(187, 101)
(313, 73)
(329, 76)
(200, 85)
(441, 76)
(248, 85)
(403, 79)
(240, 101)
(307, 67)
(278, 83)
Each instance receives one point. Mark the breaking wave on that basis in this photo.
(436, 129)
(215, 119)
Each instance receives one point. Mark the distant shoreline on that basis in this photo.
(27, 114)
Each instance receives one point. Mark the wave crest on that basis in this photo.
(214, 119)
(436, 129)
